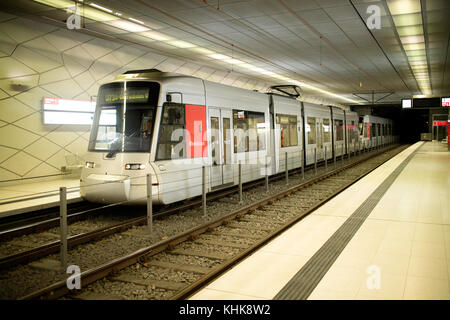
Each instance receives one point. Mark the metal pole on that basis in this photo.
(267, 175)
(315, 160)
(326, 161)
(334, 155)
(240, 182)
(303, 164)
(149, 204)
(342, 153)
(286, 167)
(204, 190)
(63, 225)
(349, 152)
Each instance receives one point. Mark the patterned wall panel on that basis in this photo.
(38, 60)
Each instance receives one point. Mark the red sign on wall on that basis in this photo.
(440, 123)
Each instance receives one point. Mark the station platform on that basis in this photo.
(385, 237)
(25, 197)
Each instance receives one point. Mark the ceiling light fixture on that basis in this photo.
(136, 20)
(92, 4)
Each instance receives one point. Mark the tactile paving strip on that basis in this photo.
(309, 276)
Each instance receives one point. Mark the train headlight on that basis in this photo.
(134, 166)
(89, 165)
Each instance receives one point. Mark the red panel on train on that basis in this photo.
(196, 142)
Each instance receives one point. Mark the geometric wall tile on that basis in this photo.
(58, 160)
(23, 30)
(7, 44)
(78, 147)
(170, 65)
(42, 149)
(7, 175)
(63, 39)
(65, 89)
(12, 110)
(204, 72)
(15, 85)
(36, 124)
(20, 163)
(188, 69)
(85, 80)
(3, 94)
(42, 170)
(98, 47)
(10, 68)
(61, 137)
(43, 47)
(126, 54)
(77, 60)
(36, 60)
(33, 98)
(104, 66)
(54, 75)
(6, 16)
(21, 138)
(217, 76)
(5, 153)
(147, 61)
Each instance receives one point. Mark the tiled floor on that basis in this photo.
(402, 250)
(22, 197)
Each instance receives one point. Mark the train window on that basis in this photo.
(379, 133)
(326, 130)
(171, 140)
(123, 120)
(248, 128)
(288, 130)
(374, 129)
(311, 130)
(214, 138)
(339, 129)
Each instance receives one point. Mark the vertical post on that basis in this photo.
(149, 204)
(204, 190)
(267, 174)
(286, 167)
(342, 153)
(240, 182)
(349, 151)
(326, 160)
(303, 164)
(334, 155)
(63, 225)
(315, 160)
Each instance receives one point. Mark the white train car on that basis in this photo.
(375, 131)
(169, 126)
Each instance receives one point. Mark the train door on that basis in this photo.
(221, 168)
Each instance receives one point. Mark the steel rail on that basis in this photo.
(72, 241)
(60, 289)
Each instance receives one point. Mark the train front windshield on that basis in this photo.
(124, 117)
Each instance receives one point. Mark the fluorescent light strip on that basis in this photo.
(407, 18)
(136, 20)
(100, 7)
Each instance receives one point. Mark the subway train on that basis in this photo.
(170, 126)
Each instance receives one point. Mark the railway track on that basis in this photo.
(180, 265)
(47, 232)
